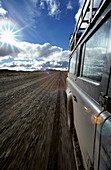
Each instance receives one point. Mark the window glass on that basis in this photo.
(72, 64)
(95, 53)
(109, 43)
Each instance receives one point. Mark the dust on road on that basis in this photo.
(33, 126)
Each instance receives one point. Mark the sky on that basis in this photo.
(34, 34)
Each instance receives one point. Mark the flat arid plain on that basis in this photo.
(33, 122)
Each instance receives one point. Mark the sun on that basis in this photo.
(9, 33)
(8, 37)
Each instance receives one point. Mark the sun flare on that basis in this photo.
(8, 37)
(8, 33)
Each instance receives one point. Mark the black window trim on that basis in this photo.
(82, 58)
(74, 52)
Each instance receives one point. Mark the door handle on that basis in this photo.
(75, 99)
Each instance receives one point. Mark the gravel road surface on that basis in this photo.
(33, 126)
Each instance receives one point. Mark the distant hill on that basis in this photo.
(7, 71)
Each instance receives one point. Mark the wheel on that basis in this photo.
(70, 119)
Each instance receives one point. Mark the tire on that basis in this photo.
(70, 119)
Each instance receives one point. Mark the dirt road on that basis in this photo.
(33, 128)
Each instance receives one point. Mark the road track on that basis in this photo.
(33, 126)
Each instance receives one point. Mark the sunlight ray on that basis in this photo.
(8, 33)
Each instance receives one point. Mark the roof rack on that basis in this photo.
(88, 11)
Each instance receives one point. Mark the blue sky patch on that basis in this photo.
(38, 33)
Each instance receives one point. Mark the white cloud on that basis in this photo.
(9, 50)
(3, 12)
(42, 5)
(47, 52)
(81, 2)
(34, 65)
(78, 14)
(52, 6)
(4, 58)
(49, 56)
(22, 65)
(69, 5)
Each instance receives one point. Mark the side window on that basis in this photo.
(73, 64)
(95, 53)
(109, 44)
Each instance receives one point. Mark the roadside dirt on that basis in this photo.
(33, 126)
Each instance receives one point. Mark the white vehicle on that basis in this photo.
(89, 86)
